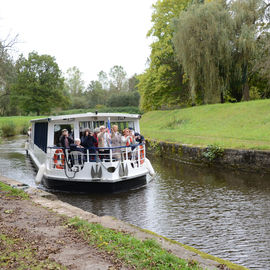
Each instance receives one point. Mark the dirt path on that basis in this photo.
(44, 232)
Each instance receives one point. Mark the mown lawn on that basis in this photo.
(240, 125)
(244, 125)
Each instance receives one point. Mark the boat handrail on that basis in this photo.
(58, 156)
(97, 148)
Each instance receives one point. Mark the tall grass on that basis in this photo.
(14, 125)
(8, 129)
(239, 125)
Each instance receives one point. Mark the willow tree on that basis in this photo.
(161, 83)
(203, 45)
(248, 17)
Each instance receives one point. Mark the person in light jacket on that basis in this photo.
(116, 141)
(104, 141)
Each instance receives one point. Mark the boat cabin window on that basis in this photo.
(58, 132)
(89, 124)
(93, 124)
(41, 135)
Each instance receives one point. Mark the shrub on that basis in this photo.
(213, 151)
(24, 128)
(124, 99)
(8, 129)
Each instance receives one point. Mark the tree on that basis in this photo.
(124, 99)
(103, 79)
(74, 83)
(203, 46)
(39, 86)
(246, 16)
(118, 78)
(95, 94)
(7, 75)
(217, 44)
(162, 82)
(133, 83)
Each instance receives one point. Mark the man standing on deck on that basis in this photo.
(65, 140)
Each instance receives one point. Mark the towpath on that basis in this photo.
(35, 232)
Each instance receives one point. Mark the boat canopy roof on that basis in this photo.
(88, 115)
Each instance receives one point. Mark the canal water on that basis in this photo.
(223, 213)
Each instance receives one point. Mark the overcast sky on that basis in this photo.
(93, 35)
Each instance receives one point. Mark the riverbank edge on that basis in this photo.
(240, 159)
(50, 201)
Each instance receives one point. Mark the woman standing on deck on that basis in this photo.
(116, 141)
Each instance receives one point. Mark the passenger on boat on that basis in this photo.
(65, 139)
(137, 136)
(78, 158)
(88, 140)
(104, 141)
(127, 138)
(96, 131)
(29, 134)
(76, 146)
(116, 141)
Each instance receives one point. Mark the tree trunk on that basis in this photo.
(246, 92)
(222, 99)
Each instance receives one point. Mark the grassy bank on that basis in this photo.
(17, 247)
(244, 125)
(14, 125)
(133, 252)
(11, 192)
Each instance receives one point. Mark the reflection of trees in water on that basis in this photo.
(194, 175)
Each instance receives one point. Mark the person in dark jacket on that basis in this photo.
(137, 136)
(65, 139)
(88, 139)
(88, 142)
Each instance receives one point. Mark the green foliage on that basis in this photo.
(24, 128)
(39, 85)
(202, 42)
(124, 99)
(244, 125)
(8, 129)
(103, 109)
(95, 94)
(103, 79)
(7, 77)
(154, 146)
(161, 83)
(118, 78)
(74, 88)
(133, 252)
(133, 83)
(19, 124)
(74, 84)
(9, 191)
(212, 152)
(217, 43)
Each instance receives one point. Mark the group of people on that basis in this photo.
(101, 138)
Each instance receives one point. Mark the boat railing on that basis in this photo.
(59, 157)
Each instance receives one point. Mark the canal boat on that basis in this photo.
(103, 169)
